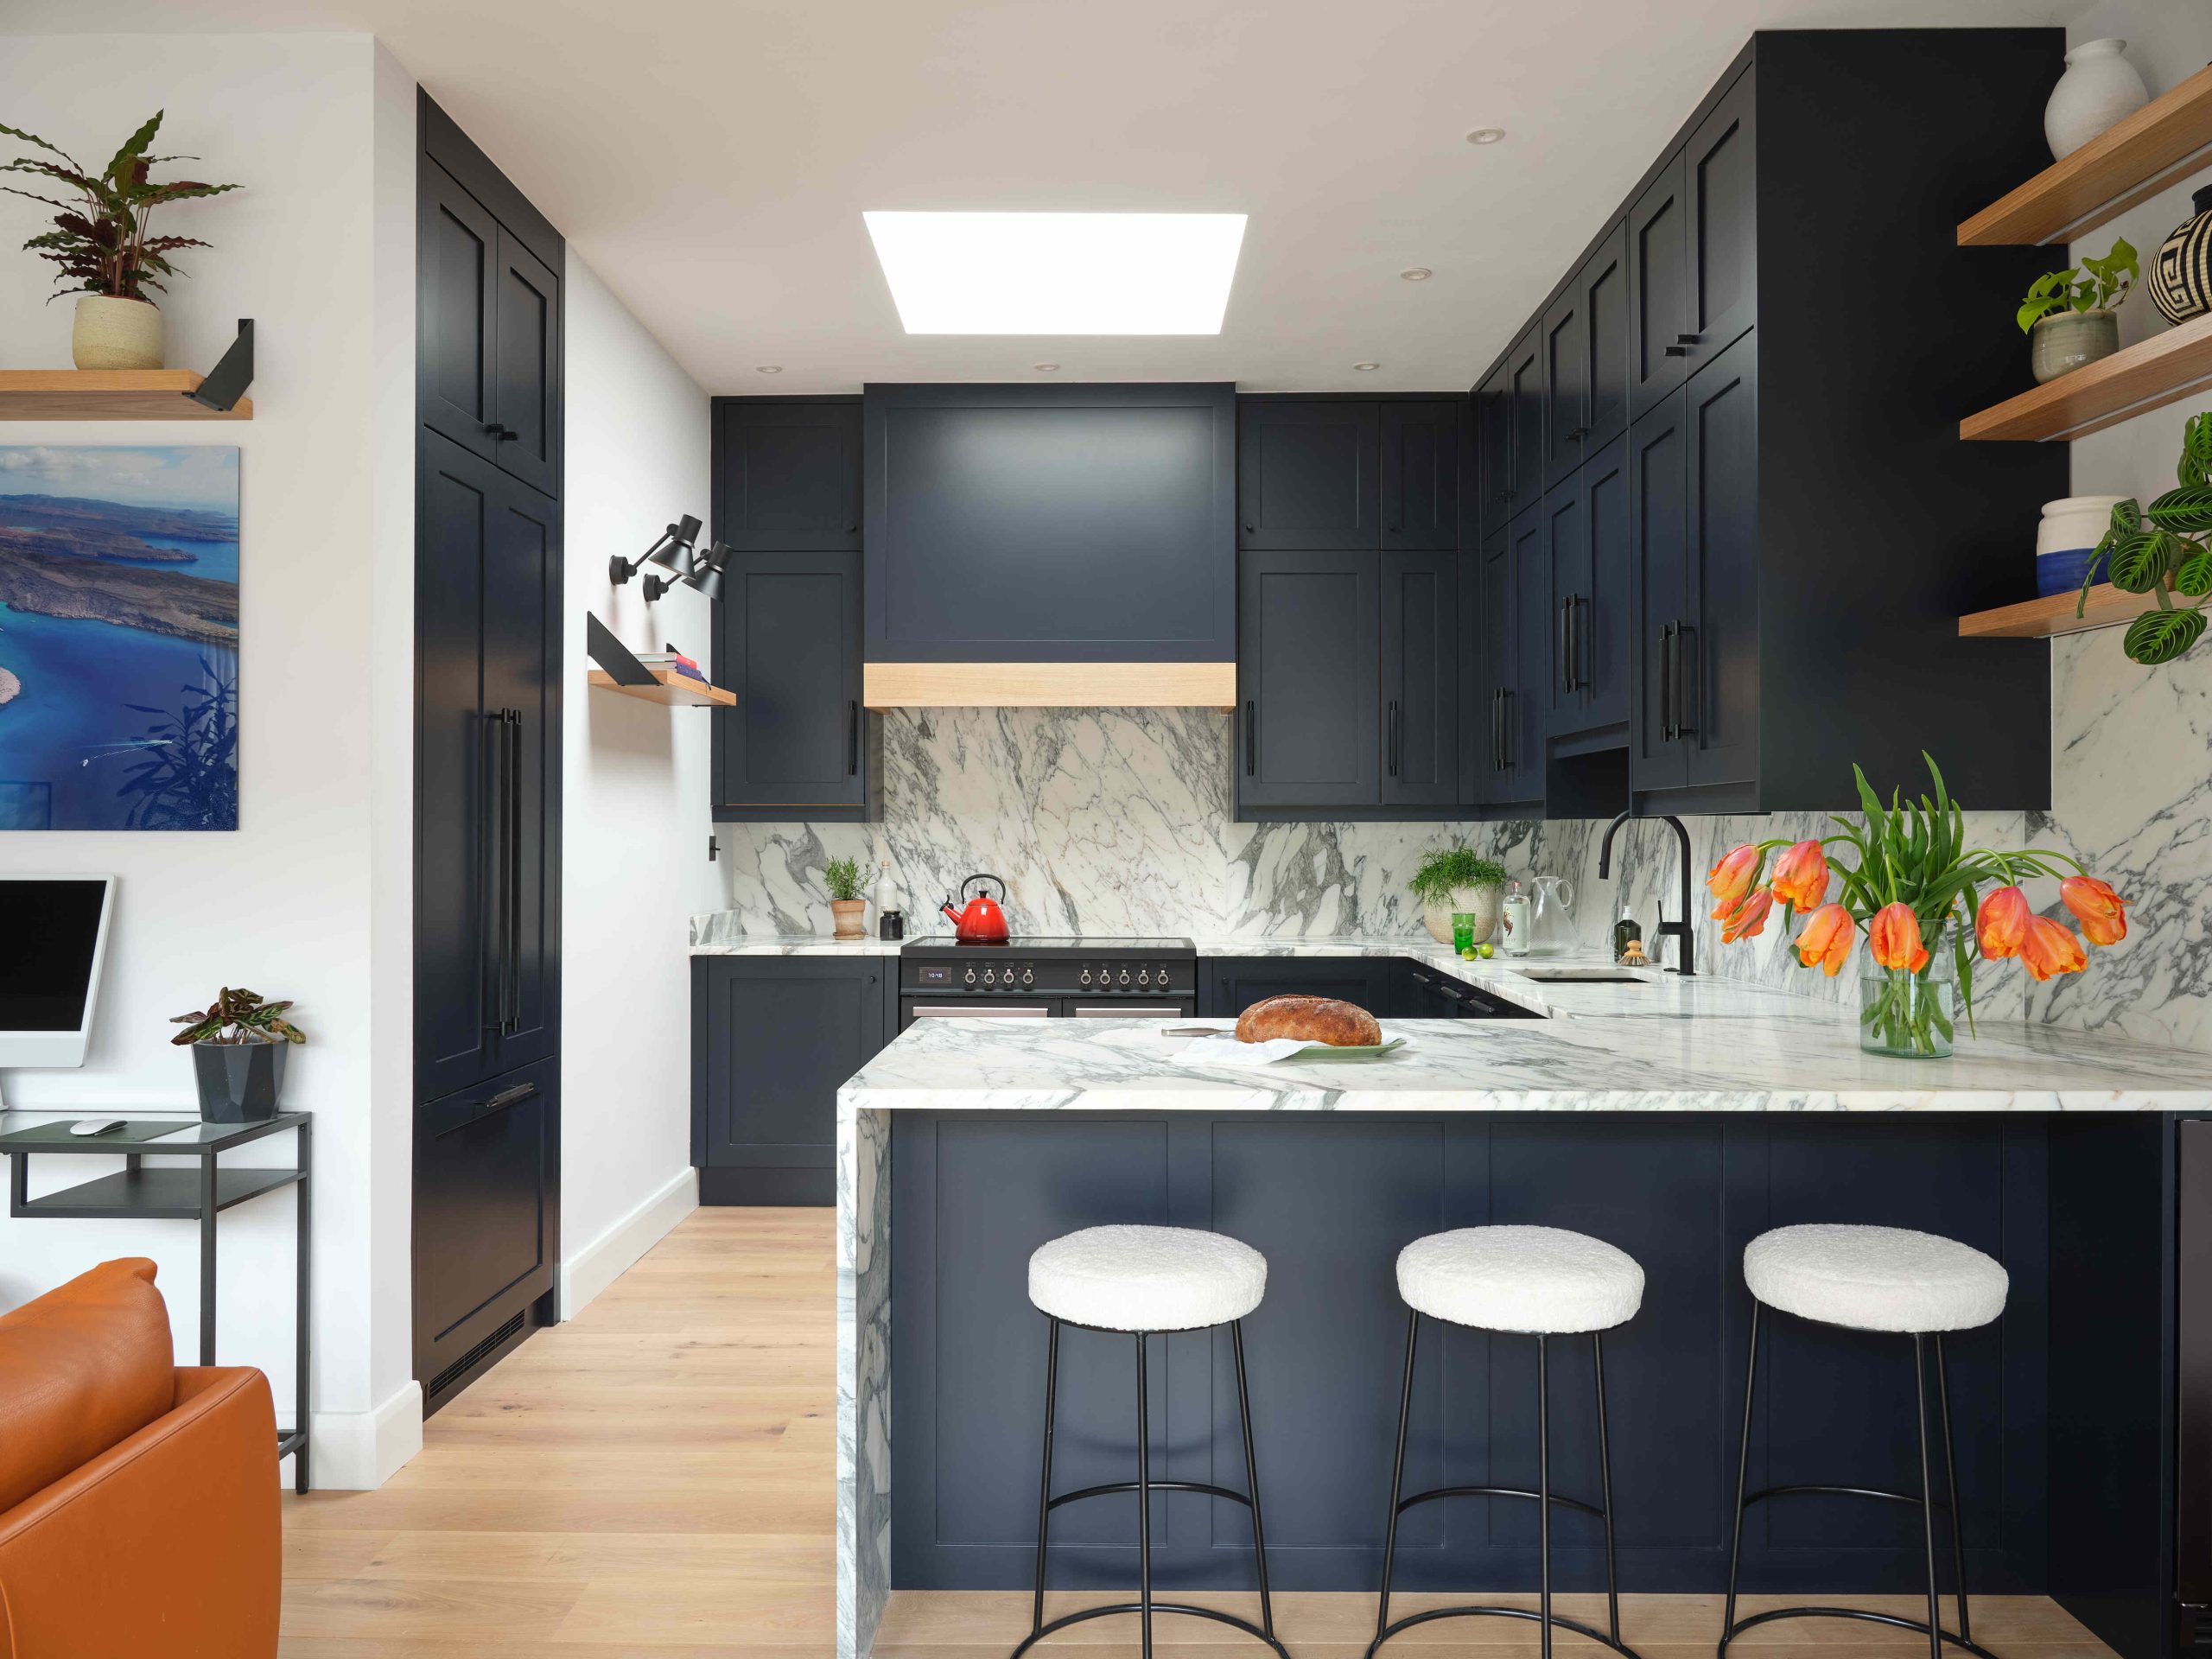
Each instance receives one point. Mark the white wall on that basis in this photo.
(635, 816)
(287, 903)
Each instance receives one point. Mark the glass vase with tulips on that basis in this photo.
(1915, 889)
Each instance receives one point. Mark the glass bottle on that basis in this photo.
(1513, 920)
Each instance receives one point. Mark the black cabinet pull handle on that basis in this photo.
(503, 1099)
(1251, 737)
(1247, 529)
(1497, 730)
(1678, 351)
(852, 529)
(1393, 732)
(1685, 676)
(1687, 339)
(1506, 724)
(490, 856)
(1666, 683)
(1566, 644)
(1576, 628)
(514, 874)
(503, 434)
(853, 742)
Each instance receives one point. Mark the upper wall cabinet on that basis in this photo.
(789, 474)
(1422, 448)
(1525, 400)
(1658, 286)
(1586, 340)
(1308, 475)
(488, 337)
(1080, 524)
(1308, 681)
(1493, 477)
(1720, 179)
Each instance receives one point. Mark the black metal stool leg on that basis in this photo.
(1144, 1505)
(1543, 1500)
(1927, 1494)
(1045, 1483)
(1397, 1474)
(1743, 1470)
(1252, 1480)
(1605, 1491)
(1951, 1480)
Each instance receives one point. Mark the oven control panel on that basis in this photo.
(983, 975)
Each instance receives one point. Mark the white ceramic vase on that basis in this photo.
(1481, 903)
(112, 333)
(2100, 87)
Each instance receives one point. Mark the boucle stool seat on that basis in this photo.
(1875, 1278)
(1147, 1279)
(1529, 1279)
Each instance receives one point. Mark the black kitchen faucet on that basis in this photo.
(1681, 929)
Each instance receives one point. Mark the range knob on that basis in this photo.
(991, 976)
(1085, 978)
(971, 976)
(1125, 976)
(1144, 975)
(1029, 977)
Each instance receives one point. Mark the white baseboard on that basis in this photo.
(358, 1451)
(613, 1254)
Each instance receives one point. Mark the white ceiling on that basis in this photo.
(711, 160)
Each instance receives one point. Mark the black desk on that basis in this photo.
(200, 1194)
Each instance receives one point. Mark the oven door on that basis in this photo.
(1159, 1007)
(911, 1008)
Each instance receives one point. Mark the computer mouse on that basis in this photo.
(95, 1125)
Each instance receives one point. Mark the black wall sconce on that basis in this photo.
(675, 551)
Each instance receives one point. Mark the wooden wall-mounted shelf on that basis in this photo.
(2153, 149)
(675, 690)
(2046, 619)
(2147, 375)
(109, 395)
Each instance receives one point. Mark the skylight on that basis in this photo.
(1058, 273)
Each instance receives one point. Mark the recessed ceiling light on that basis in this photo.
(1416, 274)
(1362, 368)
(1046, 368)
(767, 368)
(1486, 135)
(1058, 273)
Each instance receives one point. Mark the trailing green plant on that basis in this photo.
(842, 877)
(2093, 285)
(100, 240)
(1445, 869)
(237, 1017)
(2163, 550)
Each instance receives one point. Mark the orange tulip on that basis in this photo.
(2103, 912)
(1826, 938)
(1800, 876)
(2050, 948)
(2002, 923)
(1732, 876)
(1748, 919)
(1894, 938)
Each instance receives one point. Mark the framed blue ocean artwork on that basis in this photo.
(119, 638)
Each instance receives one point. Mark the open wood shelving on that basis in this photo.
(2147, 375)
(2046, 619)
(109, 395)
(670, 688)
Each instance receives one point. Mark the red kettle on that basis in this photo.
(981, 921)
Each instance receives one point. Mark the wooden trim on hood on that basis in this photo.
(1049, 685)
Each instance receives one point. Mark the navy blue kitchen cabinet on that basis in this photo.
(1021, 523)
(773, 1037)
(1586, 338)
(1566, 385)
(1525, 400)
(1659, 280)
(1228, 985)
(1658, 472)
(1309, 475)
(1493, 476)
(1307, 682)
(1720, 191)
(1588, 520)
(1423, 452)
(1507, 709)
(787, 473)
(1421, 679)
(1484, 779)
(787, 641)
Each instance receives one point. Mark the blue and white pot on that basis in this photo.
(2070, 531)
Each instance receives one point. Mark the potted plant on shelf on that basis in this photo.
(2071, 317)
(842, 877)
(100, 241)
(2163, 550)
(238, 1043)
(1458, 880)
(1914, 890)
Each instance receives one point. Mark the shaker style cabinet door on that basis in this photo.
(1421, 679)
(1493, 479)
(1658, 290)
(1308, 476)
(1721, 185)
(1420, 443)
(1658, 485)
(1718, 687)
(1482, 745)
(1604, 285)
(1525, 386)
(1600, 625)
(787, 641)
(1307, 644)
(526, 367)
(1566, 346)
(790, 476)
(457, 264)
(1567, 585)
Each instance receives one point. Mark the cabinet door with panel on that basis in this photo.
(457, 266)
(1526, 713)
(1602, 285)
(1493, 479)
(787, 641)
(788, 476)
(1524, 377)
(1307, 644)
(1421, 679)
(1718, 689)
(772, 1038)
(526, 366)
(1483, 775)
(1308, 475)
(1721, 188)
(1564, 341)
(1599, 626)
(1658, 291)
(1566, 568)
(1420, 443)
(1658, 485)
(1231, 984)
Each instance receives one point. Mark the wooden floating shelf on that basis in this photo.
(108, 395)
(2153, 149)
(2046, 619)
(675, 690)
(1049, 685)
(2147, 375)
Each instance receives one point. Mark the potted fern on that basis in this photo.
(1457, 880)
(842, 877)
(238, 1044)
(100, 240)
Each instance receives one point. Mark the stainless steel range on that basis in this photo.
(1047, 979)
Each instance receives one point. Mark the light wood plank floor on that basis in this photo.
(658, 1477)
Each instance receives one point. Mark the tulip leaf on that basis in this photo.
(2186, 509)
(2158, 636)
(2194, 579)
(2140, 558)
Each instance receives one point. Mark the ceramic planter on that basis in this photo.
(2066, 340)
(111, 333)
(2068, 537)
(1481, 903)
(238, 1082)
(848, 912)
(2100, 87)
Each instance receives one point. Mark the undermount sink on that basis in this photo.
(1582, 976)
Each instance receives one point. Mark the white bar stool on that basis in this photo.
(1897, 1282)
(1143, 1282)
(1538, 1281)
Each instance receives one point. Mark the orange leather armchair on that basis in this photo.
(138, 1515)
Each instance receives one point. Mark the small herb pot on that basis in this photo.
(238, 1082)
(848, 913)
(2066, 340)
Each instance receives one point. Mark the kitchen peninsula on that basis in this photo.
(1703, 1112)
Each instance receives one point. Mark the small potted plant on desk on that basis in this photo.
(842, 877)
(1458, 880)
(238, 1045)
(2071, 317)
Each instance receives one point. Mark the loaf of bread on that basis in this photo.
(1310, 1019)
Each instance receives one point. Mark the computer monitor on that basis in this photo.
(53, 938)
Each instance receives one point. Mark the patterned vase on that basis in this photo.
(2180, 276)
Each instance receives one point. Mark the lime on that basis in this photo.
(1484, 952)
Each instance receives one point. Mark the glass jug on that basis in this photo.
(1551, 917)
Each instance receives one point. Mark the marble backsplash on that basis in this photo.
(1118, 821)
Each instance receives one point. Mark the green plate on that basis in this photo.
(1362, 1052)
